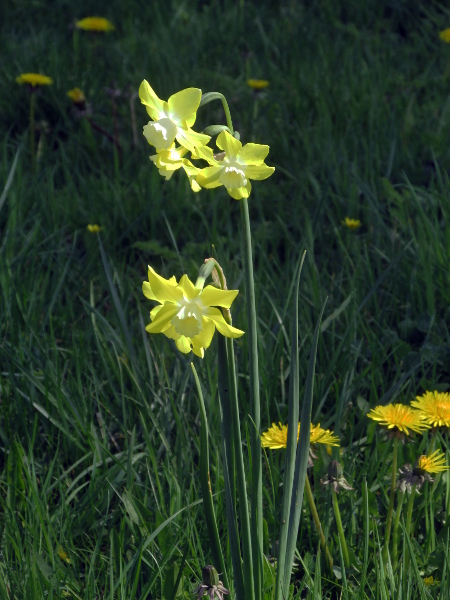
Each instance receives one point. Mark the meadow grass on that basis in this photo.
(100, 427)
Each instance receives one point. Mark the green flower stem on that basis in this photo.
(255, 411)
(210, 96)
(398, 512)
(205, 482)
(317, 523)
(409, 519)
(240, 472)
(387, 534)
(32, 128)
(337, 515)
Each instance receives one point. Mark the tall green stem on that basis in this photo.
(409, 519)
(317, 523)
(387, 534)
(255, 411)
(398, 512)
(32, 129)
(337, 516)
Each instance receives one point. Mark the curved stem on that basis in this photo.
(317, 523)
(337, 515)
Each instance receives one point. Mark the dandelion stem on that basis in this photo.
(409, 519)
(398, 512)
(32, 128)
(317, 523)
(387, 534)
(337, 515)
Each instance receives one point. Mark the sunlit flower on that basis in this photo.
(77, 96)
(235, 166)
(351, 223)
(34, 79)
(276, 436)
(445, 35)
(434, 407)
(188, 314)
(432, 463)
(93, 228)
(168, 161)
(99, 24)
(257, 84)
(398, 416)
(172, 120)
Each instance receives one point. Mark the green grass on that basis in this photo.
(99, 428)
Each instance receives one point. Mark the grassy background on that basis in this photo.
(99, 427)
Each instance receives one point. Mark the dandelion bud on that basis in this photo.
(210, 576)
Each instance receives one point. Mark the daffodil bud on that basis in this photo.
(210, 576)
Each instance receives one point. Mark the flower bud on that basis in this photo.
(210, 576)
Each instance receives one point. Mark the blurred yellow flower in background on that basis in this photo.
(34, 79)
(445, 35)
(93, 228)
(434, 407)
(257, 84)
(351, 223)
(276, 436)
(77, 96)
(95, 24)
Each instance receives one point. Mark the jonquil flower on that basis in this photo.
(351, 223)
(399, 416)
(99, 24)
(168, 161)
(276, 436)
(188, 314)
(257, 84)
(172, 120)
(234, 167)
(34, 79)
(434, 407)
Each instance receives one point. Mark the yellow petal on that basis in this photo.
(254, 154)
(198, 351)
(242, 192)
(162, 319)
(204, 338)
(183, 105)
(148, 291)
(188, 288)
(163, 290)
(150, 99)
(209, 177)
(183, 344)
(211, 296)
(258, 172)
(190, 139)
(222, 326)
(225, 141)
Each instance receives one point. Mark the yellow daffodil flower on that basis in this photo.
(168, 161)
(434, 407)
(99, 24)
(234, 167)
(172, 120)
(188, 314)
(34, 79)
(400, 417)
(275, 437)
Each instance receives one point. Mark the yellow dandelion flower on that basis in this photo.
(445, 35)
(432, 463)
(77, 96)
(34, 79)
(434, 407)
(430, 581)
(99, 24)
(399, 416)
(276, 436)
(351, 223)
(63, 555)
(257, 84)
(93, 228)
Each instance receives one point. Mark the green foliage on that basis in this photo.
(99, 423)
